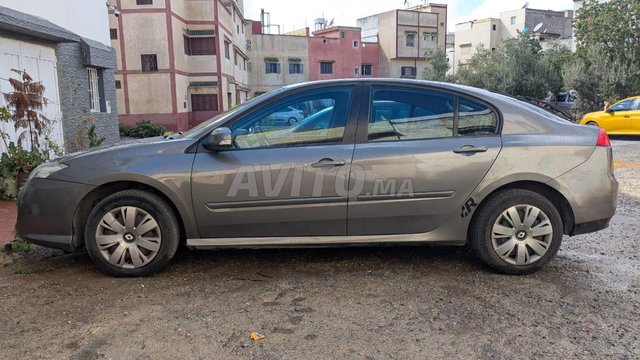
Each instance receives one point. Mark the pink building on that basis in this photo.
(338, 53)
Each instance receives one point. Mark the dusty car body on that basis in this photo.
(446, 164)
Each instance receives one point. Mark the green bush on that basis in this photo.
(143, 129)
(17, 158)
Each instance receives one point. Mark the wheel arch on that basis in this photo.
(554, 196)
(90, 200)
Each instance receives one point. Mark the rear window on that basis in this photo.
(476, 119)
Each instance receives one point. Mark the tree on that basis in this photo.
(607, 64)
(27, 102)
(438, 65)
(518, 67)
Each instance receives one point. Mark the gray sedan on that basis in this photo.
(391, 162)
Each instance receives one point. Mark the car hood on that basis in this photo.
(122, 145)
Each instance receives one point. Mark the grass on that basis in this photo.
(20, 246)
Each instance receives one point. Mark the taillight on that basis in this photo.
(603, 139)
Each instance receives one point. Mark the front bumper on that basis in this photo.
(46, 209)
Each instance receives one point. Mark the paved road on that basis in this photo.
(362, 303)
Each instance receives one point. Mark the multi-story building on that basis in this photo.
(338, 53)
(544, 25)
(70, 56)
(180, 62)
(404, 37)
(276, 60)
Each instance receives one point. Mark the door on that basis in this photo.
(619, 116)
(280, 181)
(419, 154)
(635, 118)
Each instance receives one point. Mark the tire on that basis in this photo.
(119, 241)
(292, 121)
(491, 232)
(593, 123)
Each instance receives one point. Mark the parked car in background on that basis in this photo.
(564, 100)
(287, 116)
(622, 118)
(385, 162)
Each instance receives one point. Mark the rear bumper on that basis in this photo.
(46, 209)
(590, 227)
(592, 192)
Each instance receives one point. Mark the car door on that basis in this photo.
(279, 182)
(419, 154)
(635, 118)
(619, 118)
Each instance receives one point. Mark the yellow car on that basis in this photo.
(623, 118)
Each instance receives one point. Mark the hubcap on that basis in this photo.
(521, 235)
(128, 237)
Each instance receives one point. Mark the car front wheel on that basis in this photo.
(131, 233)
(517, 231)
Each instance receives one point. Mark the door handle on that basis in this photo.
(467, 149)
(327, 162)
(627, 116)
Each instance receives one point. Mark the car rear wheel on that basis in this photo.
(292, 121)
(517, 231)
(131, 233)
(593, 123)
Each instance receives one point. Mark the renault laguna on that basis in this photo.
(368, 162)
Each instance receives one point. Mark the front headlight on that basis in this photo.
(45, 170)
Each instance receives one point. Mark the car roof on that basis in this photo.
(389, 81)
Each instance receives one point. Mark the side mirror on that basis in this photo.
(219, 140)
(610, 111)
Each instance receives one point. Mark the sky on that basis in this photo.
(296, 14)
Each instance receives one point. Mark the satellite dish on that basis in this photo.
(526, 5)
(331, 22)
(538, 27)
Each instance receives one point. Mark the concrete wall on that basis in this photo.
(87, 18)
(329, 45)
(472, 34)
(282, 47)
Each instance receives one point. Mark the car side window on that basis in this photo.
(476, 119)
(409, 114)
(311, 118)
(625, 105)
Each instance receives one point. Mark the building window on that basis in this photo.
(144, 2)
(408, 71)
(494, 27)
(326, 67)
(513, 20)
(296, 68)
(411, 39)
(356, 71)
(118, 84)
(342, 34)
(272, 67)
(465, 49)
(367, 69)
(204, 102)
(94, 90)
(355, 43)
(199, 45)
(226, 50)
(149, 62)
(113, 33)
(235, 57)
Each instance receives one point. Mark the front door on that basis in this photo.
(280, 179)
(619, 119)
(419, 155)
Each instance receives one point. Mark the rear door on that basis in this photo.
(419, 154)
(280, 182)
(635, 118)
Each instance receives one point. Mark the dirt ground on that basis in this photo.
(356, 303)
